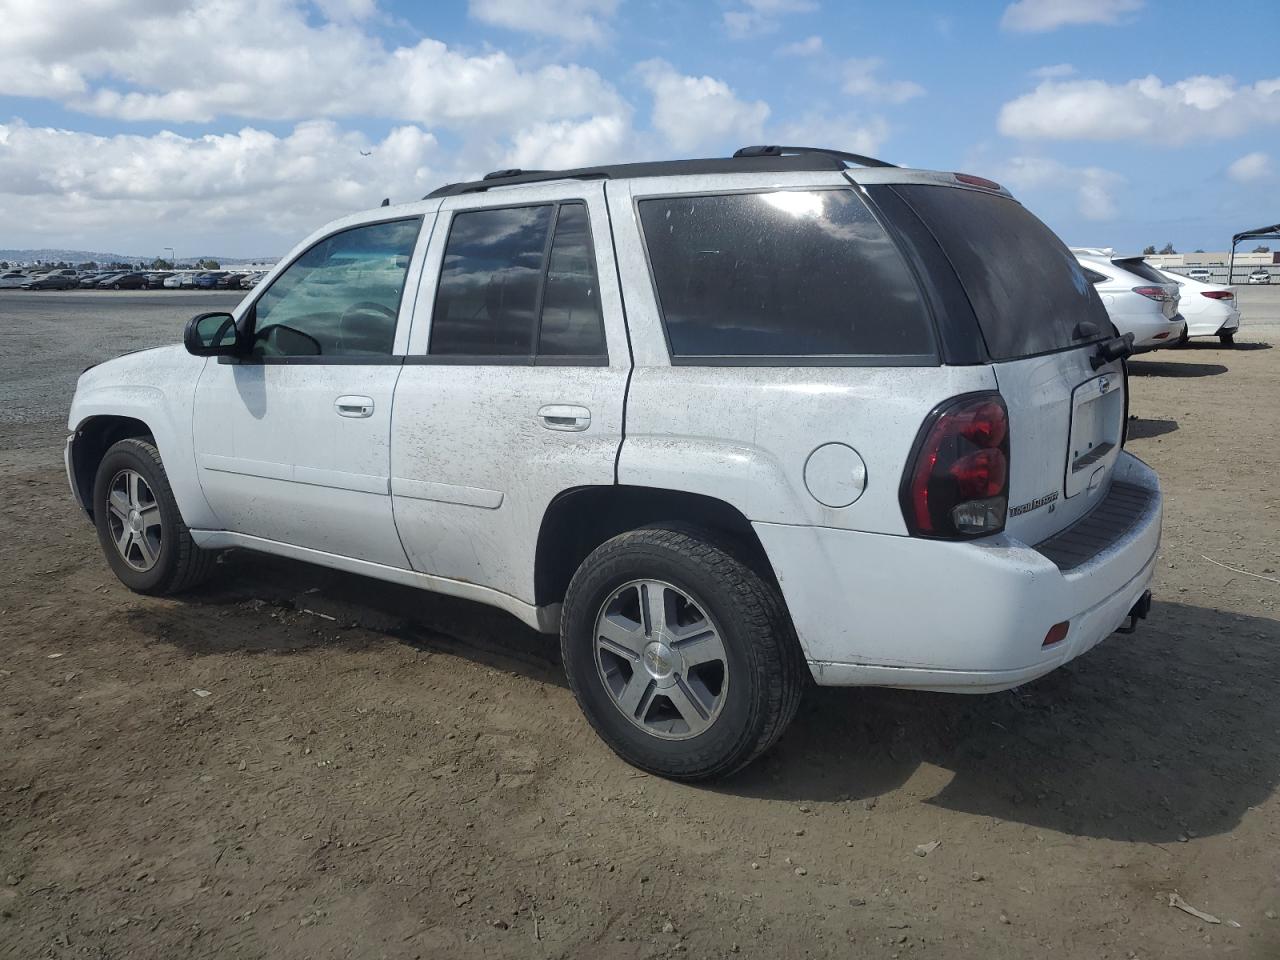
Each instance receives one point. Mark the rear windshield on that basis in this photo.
(1027, 289)
(1142, 269)
(788, 274)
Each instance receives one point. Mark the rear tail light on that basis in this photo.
(1153, 293)
(1218, 294)
(957, 482)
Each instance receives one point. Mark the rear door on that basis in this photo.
(1041, 321)
(514, 385)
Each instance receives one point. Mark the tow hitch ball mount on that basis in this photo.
(1137, 612)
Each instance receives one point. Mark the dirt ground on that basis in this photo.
(295, 763)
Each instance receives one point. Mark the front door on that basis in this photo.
(514, 382)
(292, 441)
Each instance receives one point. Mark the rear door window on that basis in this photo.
(1142, 269)
(1028, 290)
(791, 274)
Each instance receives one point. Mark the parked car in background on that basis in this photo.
(13, 279)
(251, 280)
(230, 281)
(91, 280)
(874, 429)
(207, 281)
(157, 279)
(51, 281)
(173, 281)
(1138, 297)
(124, 281)
(1199, 273)
(1209, 308)
(1260, 276)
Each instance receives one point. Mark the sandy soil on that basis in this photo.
(376, 772)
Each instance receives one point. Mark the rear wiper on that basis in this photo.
(1109, 351)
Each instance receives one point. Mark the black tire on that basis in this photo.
(115, 286)
(766, 670)
(179, 564)
(1226, 339)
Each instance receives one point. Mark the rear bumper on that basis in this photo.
(1149, 335)
(881, 610)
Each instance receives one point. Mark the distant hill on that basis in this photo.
(97, 256)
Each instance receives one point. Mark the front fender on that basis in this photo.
(156, 387)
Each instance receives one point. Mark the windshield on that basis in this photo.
(1028, 290)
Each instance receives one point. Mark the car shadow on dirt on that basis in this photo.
(1152, 737)
(1157, 368)
(294, 608)
(1141, 428)
(1215, 345)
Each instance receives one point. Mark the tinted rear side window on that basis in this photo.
(1028, 290)
(488, 293)
(785, 274)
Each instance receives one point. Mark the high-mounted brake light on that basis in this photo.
(1153, 293)
(970, 180)
(957, 483)
(1218, 294)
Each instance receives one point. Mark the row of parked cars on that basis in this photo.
(1160, 308)
(133, 280)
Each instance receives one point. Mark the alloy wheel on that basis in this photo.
(134, 520)
(661, 658)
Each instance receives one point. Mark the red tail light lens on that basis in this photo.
(1218, 294)
(957, 483)
(1153, 293)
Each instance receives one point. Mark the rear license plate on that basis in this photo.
(1097, 418)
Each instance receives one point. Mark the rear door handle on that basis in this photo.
(354, 406)
(563, 416)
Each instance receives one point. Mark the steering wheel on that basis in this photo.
(365, 306)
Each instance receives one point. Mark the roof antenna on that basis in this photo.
(386, 202)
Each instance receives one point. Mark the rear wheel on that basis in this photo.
(1227, 339)
(140, 529)
(682, 657)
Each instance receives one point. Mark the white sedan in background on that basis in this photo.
(1138, 297)
(1209, 309)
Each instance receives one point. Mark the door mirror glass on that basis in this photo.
(212, 335)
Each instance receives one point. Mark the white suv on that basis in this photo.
(729, 426)
(1139, 298)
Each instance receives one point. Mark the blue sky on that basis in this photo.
(236, 126)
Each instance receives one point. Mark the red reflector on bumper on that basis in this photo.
(1057, 633)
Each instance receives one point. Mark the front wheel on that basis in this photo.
(1226, 339)
(682, 657)
(139, 526)
(115, 286)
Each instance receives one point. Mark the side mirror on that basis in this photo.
(213, 335)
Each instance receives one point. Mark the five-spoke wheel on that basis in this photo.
(680, 652)
(136, 528)
(661, 658)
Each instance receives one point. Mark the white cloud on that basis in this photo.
(567, 143)
(808, 47)
(1250, 168)
(1143, 109)
(578, 21)
(1094, 187)
(1054, 71)
(865, 136)
(761, 16)
(157, 60)
(860, 80)
(248, 189)
(696, 111)
(1037, 16)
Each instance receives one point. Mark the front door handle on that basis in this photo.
(563, 416)
(354, 406)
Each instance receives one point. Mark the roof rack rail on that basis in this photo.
(776, 151)
(771, 159)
